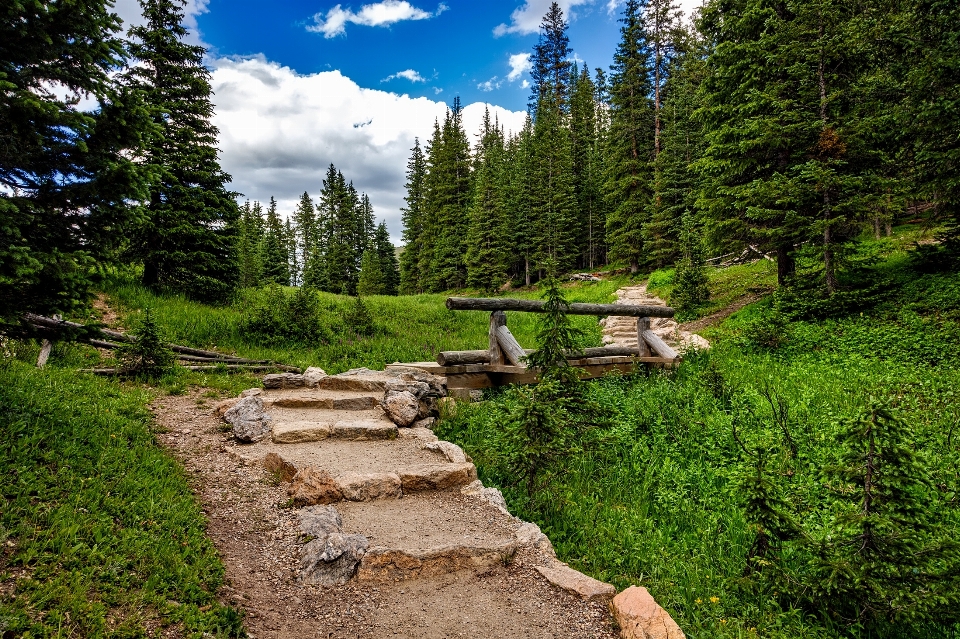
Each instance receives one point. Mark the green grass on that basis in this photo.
(98, 527)
(409, 328)
(652, 498)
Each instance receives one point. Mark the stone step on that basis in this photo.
(300, 432)
(429, 534)
(319, 399)
(367, 381)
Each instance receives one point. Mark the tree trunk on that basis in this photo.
(786, 267)
(634, 266)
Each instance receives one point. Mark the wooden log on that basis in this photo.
(494, 352)
(643, 325)
(512, 350)
(460, 358)
(44, 353)
(659, 346)
(537, 306)
(231, 368)
(466, 358)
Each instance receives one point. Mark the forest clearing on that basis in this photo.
(671, 351)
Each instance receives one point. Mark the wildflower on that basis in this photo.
(698, 600)
(714, 600)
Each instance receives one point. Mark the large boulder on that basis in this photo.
(640, 617)
(250, 422)
(331, 558)
(319, 521)
(402, 407)
(311, 486)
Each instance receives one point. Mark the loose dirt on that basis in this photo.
(256, 535)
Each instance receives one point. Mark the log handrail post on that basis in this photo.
(643, 325)
(497, 319)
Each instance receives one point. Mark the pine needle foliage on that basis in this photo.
(149, 355)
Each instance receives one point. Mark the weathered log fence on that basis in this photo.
(504, 360)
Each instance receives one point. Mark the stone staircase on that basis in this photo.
(622, 331)
(384, 504)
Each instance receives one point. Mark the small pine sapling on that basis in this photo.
(149, 355)
(359, 318)
(690, 288)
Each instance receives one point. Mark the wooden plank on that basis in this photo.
(470, 381)
(494, 351)
(537, 306)
(659, 346)
(512, 350)
(643, 325)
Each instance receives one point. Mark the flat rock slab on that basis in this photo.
(363, 431)
(315, 431)
(369, 382)
(339, 456)
(426, 522)
(300, 432)
(322, 399)
(369, 486)
(436, 476)
(574, 581)
(640, 617)
(393, 564)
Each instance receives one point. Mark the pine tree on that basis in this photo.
(342, 260)
(276, 267)
(305, 237)
(630, 142)
(448, 198)
(519, 202)
(550, 62)
(387, 256)
(411, 280)
(188, 241)
(68, 177)
(486, 238)
(585, 165)
(371, 279)
(430, 221)
(290, 233)
(252, 230)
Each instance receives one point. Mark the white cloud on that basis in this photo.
(519, 64)
(525, 84)
(380, 14)
(490, 85)
(527, 18)
(409, 74)
(280, 130)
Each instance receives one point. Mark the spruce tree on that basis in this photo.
(305, 236)
(630, 142)
(519, 203)
(371, 278)
(342, 259)
(252, 230)
(276, 267)
(550, 62)
(412, 215)
(387, 256)
(486, 238)
(586, 167)
(67, 177)
(430, 221)
(188, 240)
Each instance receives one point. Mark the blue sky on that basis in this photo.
(299, 85)
(454, 50)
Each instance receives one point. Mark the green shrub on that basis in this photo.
(272, 316)
(769, 329)
(359, 319)
(150, 355)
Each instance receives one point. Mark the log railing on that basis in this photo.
(503, 348)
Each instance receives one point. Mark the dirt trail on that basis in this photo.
(622, 331)
(443, 560)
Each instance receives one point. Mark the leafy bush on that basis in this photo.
(272, 316)
(770, 328)
(359, 319)
(660, 279)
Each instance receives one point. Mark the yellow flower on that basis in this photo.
(699, 600)
(714, 599)
(723, 621)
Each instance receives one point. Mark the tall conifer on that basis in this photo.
(276, 267)
(487, 239)
(412, 216)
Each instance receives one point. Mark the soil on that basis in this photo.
(719, 316)
(256, 535)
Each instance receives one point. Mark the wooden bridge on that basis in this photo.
(503, 361)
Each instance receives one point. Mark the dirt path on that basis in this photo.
(622, 331)
(429, 571)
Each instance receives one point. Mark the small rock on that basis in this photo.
(530, 535)
(641, 617)
(320, 521)
(311, 486)
(283, 380)
(574, 581)
(312, 376)
(452, 452)
(436, 476)
(332, 561)
(494, 497)
(369, 486)
(401, 407)
(418, 433)
(473, 489)
(447, 407)
(225, 405)
(250, 392)
(274, 463)
(428, 423)
(250, 422)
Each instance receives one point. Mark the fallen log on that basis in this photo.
(229, 367)
(466, 358)
(659, 346)
(537, 306)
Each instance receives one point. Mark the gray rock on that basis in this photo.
(320, 521)
(401, 407)
(251, 392)
(312, 376)
(427, 423)
(452, 452)
(283, 380)
(494, 497)
(530, 535)
(417, 389)
(332, 561)
(250, 422)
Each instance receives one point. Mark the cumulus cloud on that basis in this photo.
(490, 85)
(526, 18)
(519, 64)
(280, 130)
(380, 14)
(132, 15)
(409, 74)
